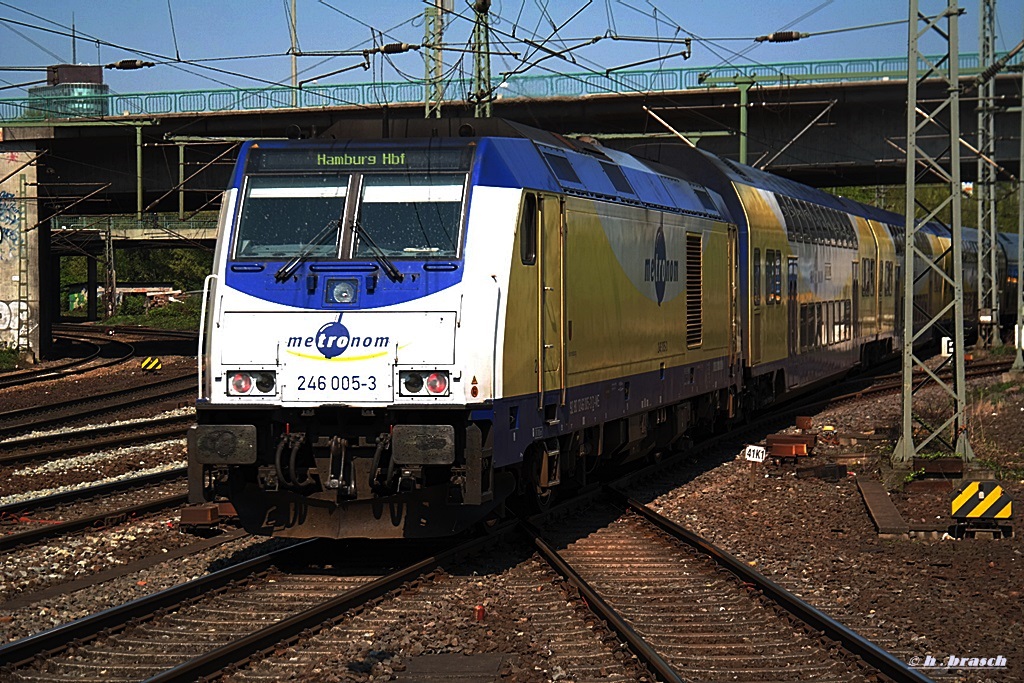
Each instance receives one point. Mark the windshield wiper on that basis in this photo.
(385, 263)
(288, 269)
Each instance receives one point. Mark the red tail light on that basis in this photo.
(241, 383)
(437, 383)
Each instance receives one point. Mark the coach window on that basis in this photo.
(528, 230)
(777, 278)
(803, 327)
(867, 284)
(888, 278)
(757, 277)
(820, 317)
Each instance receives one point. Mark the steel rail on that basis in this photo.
(20, 421)
(640, 647)
(102, 520)
(21, 450)
(84, 493)
(315, 618)
(80, 328)
(22, 651)
(74, 367)
(851, 640)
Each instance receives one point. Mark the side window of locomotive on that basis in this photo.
(528, 230)
(282, 215)
(415, 215)
(757, 277)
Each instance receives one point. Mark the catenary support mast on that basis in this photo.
(934, 408)
(985, 185)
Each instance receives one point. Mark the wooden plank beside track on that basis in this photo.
(888, 520)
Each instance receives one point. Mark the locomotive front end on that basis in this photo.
(341, 394)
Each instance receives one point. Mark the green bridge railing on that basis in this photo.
(30, 109)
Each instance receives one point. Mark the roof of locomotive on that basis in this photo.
(513, 155)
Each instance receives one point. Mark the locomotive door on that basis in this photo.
(856, 299)
(551, 302)
(794, 309)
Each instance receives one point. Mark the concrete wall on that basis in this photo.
(19, 254)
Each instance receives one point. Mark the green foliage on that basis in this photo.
(8, 359)
(173, 316)
(184, 269)
(133, 304)
(912, 475)
(894, 198)
(934, 455)
(1003, 472)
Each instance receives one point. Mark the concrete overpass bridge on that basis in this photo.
(149, 167)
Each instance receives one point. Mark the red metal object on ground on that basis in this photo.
(479, 612)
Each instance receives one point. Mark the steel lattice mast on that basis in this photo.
(433, 34)
(1018, 363)
(482, 94)
(937, 422)
(985, 185)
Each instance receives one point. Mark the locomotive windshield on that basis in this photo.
(410, 214)
(409, 203)
(282, 214)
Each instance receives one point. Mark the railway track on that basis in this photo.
(693, 612)
(57, 445)
(98, 352)
(701, 619)
(94, 507)
(219, 620)
(25, 420)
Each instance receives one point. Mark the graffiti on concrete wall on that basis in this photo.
(10, 238)
(14, 315)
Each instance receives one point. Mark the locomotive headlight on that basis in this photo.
(412, 382)
(342, 291)
(265, 382)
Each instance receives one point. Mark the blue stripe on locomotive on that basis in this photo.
(498, 162)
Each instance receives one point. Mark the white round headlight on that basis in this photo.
(343, 292)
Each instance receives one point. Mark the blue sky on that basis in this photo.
(205, 29)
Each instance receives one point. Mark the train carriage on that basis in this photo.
(405, 333)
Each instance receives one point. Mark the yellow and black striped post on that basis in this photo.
(981, 500)
(151, 364)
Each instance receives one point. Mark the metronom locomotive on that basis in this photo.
(401, 334)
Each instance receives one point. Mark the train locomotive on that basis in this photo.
(403, 334)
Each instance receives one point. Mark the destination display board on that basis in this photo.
(351, 158)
